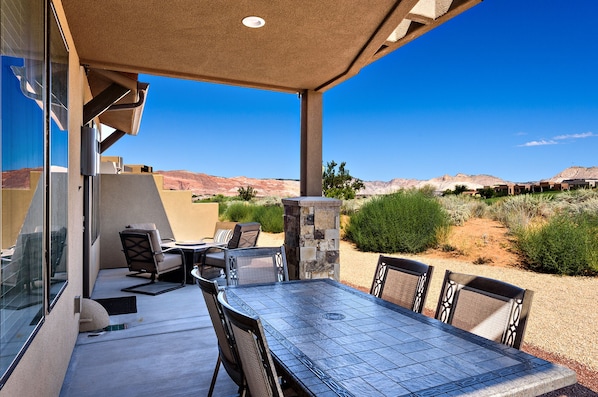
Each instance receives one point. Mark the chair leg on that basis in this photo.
(214, 377)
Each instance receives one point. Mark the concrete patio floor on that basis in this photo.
(168, 348)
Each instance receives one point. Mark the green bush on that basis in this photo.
(239, 212)
(270, 217)
(246, 194)
(565, 245)
(407, 221)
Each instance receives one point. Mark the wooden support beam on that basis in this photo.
(103, 101)
(111, 140)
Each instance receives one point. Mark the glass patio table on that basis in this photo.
(333, 340)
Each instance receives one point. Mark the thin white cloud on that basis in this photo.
(543, 142)
(555, 140)
(574, 136)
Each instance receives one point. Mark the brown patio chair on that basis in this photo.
(486, 307)
(403, 282)
(227, 351)
(256, 265)
(244, 235)
(145, 255)
(257, 364)
(223, 232)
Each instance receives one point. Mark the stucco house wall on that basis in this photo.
(41, 369)
(139, 198)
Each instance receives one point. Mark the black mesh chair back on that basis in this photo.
(254, 354)
(403, 282)
(245, 235)
(486, 307)
(256, 265)
(227, 353)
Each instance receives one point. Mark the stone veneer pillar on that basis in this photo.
(312, 234)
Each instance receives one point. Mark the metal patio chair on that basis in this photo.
(403, 282)
(258, 367)
(486, 307)
(244, 235)
(256, 265)
(145, 255)
(227, 351)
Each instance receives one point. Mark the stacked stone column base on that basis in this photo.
(312, 237)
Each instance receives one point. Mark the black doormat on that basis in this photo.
(120, 305)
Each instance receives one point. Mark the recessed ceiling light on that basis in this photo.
(253, 22)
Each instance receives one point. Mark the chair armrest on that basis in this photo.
(178, 251)
(209, 250)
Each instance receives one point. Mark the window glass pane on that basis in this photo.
(58, 160)
(22, 149)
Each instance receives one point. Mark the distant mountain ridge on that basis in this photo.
(206, 185)
(574, 173)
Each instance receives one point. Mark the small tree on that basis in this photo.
(460, 189)
(487, 192)
(340, 184)
(248, 193)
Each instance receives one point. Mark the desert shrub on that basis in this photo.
(246, 194)
(564, 245)
(460, 208)
(517, 212)
(267, 200)
(479, 209)
(270, 217)
(239, 212)
(349, 207)
(407, 221)
(222, 207)
(576, 202)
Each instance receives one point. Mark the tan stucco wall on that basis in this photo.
(188, 220)
(41, 370)
(126, 199)
(139, 198)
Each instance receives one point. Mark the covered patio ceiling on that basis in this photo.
(304, 45)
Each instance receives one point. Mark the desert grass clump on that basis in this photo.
(349, 207)
(566, 245)
(461, 208)
(577, 202)
(406, 221)
(518, 212)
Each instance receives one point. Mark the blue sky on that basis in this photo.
(509, 88)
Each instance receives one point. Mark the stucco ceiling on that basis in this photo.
(304, 45)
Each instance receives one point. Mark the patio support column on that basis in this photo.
(312, 222)
(312, 237)
(311, 144)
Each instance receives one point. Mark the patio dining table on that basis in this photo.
(192, 251)
(334, 340)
